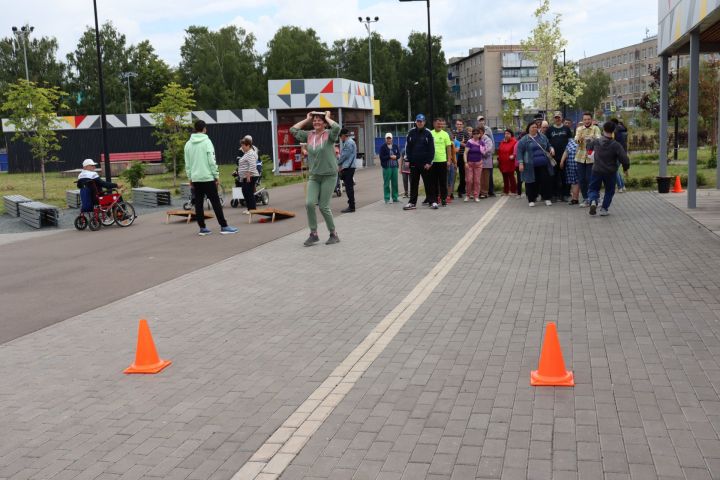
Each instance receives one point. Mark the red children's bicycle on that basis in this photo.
(108, 209)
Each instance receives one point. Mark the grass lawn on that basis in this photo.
(30, 184)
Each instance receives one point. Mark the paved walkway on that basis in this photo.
(447, 305)
(707, 211)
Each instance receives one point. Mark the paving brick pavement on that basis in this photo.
(636, 297)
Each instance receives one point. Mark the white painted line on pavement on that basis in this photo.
(271, 459)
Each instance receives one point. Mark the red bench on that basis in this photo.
(155, 156)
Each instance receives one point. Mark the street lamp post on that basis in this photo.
(127, 76)
(430, 74)
(409, 106)
(22, 35)
(564, 106)
(367, 23)
(103, 120)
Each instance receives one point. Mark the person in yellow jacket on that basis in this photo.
(586, 133)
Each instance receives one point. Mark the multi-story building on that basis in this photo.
(630, 70)
(485, 80)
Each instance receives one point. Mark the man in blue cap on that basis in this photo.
(420, 152)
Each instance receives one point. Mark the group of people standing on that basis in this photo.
(555, 163)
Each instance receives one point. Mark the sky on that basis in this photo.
(463, 24)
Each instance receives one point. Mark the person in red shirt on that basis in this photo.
(506, 162)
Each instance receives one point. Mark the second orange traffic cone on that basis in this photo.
(146, 356)
(678, 185)
(551, 371)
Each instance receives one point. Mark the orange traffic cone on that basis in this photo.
(678, 185)
(551, 371)
(146, 357)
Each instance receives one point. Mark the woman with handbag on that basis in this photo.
(537, 164)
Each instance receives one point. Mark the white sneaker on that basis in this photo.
(466, 199)
(477, 199)
(603, 213)
(584, 204)
(531, 204)
(548, 202)
(434, 206)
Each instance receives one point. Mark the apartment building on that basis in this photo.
(630, 70)
(487, 77)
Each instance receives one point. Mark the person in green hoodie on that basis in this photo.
(323, 169)
(202, 173)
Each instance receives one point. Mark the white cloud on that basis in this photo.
(463, 24)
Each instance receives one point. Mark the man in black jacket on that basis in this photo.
(420, 151)
(608, 152)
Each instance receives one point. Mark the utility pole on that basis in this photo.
(367, 23)
(127, 76)
(22, 35)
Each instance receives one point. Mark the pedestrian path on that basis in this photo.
(635, 296)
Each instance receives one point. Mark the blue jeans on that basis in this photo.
(451, 178)
(594, 189)
(584, 172)
(620, 181)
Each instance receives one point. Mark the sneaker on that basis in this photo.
(531, 204)
(246, 212)
(434, 206)
(405, 195)
(548, 203)
(603, 212)
(426, 202)
(466, 199)
(574, 202)
(228, 230)
(333, 239)
(347, 210)
(584, 204)
(312, 239)
(593, 208)
(409, 206)
(204, 231)
(477, 199)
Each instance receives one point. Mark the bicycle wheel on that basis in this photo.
(106, 217)
(81, 222)
(124, 214)
(265, 197)
(94, 223)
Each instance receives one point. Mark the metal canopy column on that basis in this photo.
(693, 118)
(664, 107)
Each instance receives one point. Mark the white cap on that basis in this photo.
(89, 161)
(388, 135)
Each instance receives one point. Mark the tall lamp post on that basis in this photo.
(103, 120)
(22, 35)
(430, 74)
(564, 106)
(127, 76)
(409, 106)
(367, 23)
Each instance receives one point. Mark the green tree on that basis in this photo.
(543, 46)
(297, 53)
(511, 109)
(222, 68)
(41, 58)
(152, 75)
(597, 87)
(32, 111)
(568, 84)
(172, 123)
(83, 81)
(415, 70)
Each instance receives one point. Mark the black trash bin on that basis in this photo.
(664, 184)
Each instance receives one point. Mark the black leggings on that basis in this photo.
(542, 186)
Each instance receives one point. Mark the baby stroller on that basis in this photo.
(262, 196)
(339, 187)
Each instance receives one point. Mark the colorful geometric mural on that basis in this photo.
(319, 93)
(678, 18)
(82, 122)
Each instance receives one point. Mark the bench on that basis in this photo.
(151, 197)
(154, 156)
(72, 198)
(12, 203)
(38, 215)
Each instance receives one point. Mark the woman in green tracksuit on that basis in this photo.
(323, 169)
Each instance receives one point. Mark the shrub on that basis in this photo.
(134, 174)
(712, 162)
(632, 182)
(701, 180)
(647, 182)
